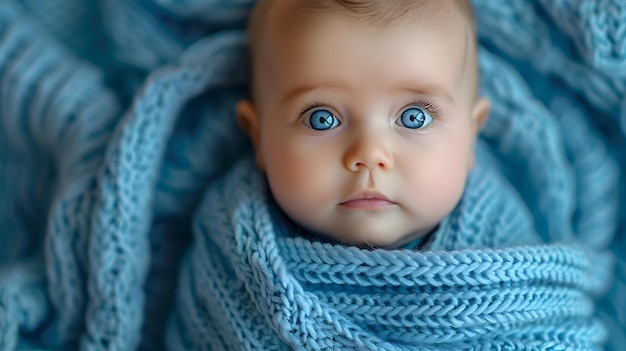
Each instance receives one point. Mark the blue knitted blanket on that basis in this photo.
(248, 285)
(131, 216)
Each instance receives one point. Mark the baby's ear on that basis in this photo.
(248, 120)
(480, 113)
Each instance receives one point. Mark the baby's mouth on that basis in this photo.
(368, 200)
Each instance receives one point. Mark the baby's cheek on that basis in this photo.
(447, 190)
(437, 185)
(299, 184)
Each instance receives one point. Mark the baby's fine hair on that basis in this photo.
(384, 12)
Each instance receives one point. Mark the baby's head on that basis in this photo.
(364, 113)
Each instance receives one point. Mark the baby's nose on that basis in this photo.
(370, 152)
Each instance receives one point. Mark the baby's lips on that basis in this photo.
(368, 203)
(368, 194)
(368, 200)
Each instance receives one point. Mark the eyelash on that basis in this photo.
(310, 106)
(428, 105)
(423, 103)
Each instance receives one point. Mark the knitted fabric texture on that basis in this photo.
(246, 286)
(127, 199)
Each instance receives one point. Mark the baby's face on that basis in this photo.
(366, 133)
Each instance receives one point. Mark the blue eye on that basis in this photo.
(322, 120)
(414, 118)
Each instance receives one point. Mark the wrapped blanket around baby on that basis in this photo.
(119, 152)
(247, 285)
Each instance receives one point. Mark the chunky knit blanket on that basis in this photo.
(132, 218)
(249, 285)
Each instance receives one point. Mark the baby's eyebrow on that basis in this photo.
(428, 90)
(424, 90)
(299, 91)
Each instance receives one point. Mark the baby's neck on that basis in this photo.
(424, 235)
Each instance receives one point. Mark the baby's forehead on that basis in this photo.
(373, 12)
(274, 21)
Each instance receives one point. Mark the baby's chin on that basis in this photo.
(371, 240)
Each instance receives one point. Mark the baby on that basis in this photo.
(364, 113)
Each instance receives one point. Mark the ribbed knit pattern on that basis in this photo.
(127, 197)
(56, 120)
(246, 287)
